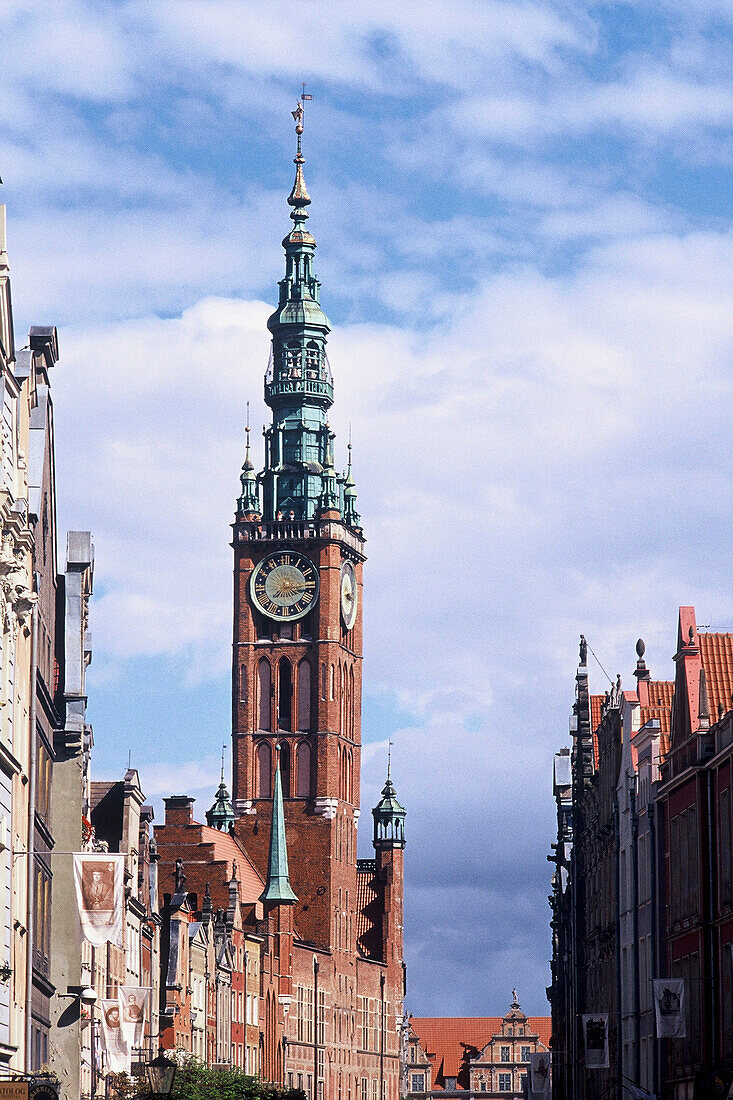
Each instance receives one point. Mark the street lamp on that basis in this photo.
(160, 1073)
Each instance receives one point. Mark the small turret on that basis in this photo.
(249, 501)
(389, 817)
(351, 516)
(221, 814)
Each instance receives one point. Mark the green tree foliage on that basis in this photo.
(195, 1081)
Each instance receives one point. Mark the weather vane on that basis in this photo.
(298, 114)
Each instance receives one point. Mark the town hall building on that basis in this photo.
(329, 925)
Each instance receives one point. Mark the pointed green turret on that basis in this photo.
(278, 889)
(249, 501)
(389, 817)
(221, 814)
(351, 516)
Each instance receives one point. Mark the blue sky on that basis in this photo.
(523, 219)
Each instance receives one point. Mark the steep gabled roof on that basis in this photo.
(716, 651)
(445, 1038)
(661, 694)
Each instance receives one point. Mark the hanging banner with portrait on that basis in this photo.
(595, 1040)
(539, 1075)
(100, 896)
(113, 1042)
(134, 1006)
(669, 1005)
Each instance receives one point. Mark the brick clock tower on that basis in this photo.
(297, 654)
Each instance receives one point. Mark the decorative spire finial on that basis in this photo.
(223, 750)
(299, 197)
(389, 760)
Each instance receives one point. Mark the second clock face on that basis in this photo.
(349, 594)
(284, 585)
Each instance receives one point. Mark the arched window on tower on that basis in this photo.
(304, 695)
(352, 704)
(304, 770)
(285, 768)
(313, 359)
(333, 683)
(264, 770)
(243, 684)
(264, 676)
(285, 695)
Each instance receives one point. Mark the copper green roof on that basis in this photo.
(278, 889)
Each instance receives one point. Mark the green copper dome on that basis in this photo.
(389, 818)
(221, 814)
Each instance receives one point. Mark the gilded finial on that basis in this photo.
(223, 751)
(299, 196)
(389, 760)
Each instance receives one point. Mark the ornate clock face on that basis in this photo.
(284, 585)
(349, 594)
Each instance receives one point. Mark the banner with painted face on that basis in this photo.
(134, 1007)
(595, 1040)
(669, 1005)
(113, 1041)
(100, 896)
(539, 1074)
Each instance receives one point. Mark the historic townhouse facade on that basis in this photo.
(658, 770)
(473, 1056)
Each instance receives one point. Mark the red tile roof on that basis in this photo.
(444, 1038)
(716, 651)
(596, 702)
(367, 914)
(661, 694)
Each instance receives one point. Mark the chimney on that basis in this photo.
(179, 810)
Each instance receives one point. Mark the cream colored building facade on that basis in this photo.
(17, 601)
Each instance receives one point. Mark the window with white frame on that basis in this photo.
(418, 1082)
(505, 1054)
(505, 1082)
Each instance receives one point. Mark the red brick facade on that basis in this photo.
(337, 978)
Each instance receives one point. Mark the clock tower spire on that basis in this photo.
(298, 558)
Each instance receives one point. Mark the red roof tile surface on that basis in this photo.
(661, 694)
(444, 1038)
(716, 651)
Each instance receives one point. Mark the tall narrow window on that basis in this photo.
(304, 695)
(243, 684)
(352, 705)
(285, 768)
(264, 674)
(333, 683)
(304, 770)
(264, 770)
(285, 695)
